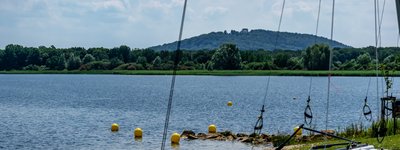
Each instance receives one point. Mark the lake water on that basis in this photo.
(76, 111)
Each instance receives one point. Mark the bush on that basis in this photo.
(34, 67)
(73, 62)
(98, 65)
(354, 130)
(255, 66)
(130, 66)
(88, 58)
(167, 66)
(115, 62)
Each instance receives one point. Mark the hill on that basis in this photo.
(250, 40)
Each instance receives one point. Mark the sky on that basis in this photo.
(146, 23)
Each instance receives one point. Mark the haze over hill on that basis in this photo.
(250, 40)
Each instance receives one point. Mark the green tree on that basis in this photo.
(99, 53)
(316, 57)
(202, 57)
(227, 57)
(56, 62)
(115, 62)
(13, 57)
(141, 60)
(349, 65)
(1, 60)
(78, 51)
(134, 54)
(33, 57)
(281, 60)
(149, 54)
(165, 55)
(364, 60)
(74, 62)
(114, 53)
(390, 62)
(295, 63)
(87, 59)
(125, 50)
(157, 61)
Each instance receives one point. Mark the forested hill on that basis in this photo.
(250, 40)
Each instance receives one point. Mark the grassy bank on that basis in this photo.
(206, 72)
(355, 132)
(390, 142)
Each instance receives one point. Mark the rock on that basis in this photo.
(266, 137)
(212, 136)
(201, 136)
(241, 135)
(188, 132)
(329, 131)
(191, 137)
(258, 141)
(220, 138)
(226, 133)
(253, 135)
(230, 137)
(246, 139)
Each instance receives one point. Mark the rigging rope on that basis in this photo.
(330, 67)
(279, 26)
(171, 93)
(380, 18)
(382, 123)
(366, 109)
(307, 111)
(259, 124)
(316, 29)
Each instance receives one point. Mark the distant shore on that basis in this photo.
(207, 72)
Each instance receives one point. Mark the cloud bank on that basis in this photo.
(145, 23)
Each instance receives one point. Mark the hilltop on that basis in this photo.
(250, 40)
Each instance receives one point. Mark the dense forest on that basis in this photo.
(251, 40)
(226, 57)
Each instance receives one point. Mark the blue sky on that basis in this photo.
(145, 23)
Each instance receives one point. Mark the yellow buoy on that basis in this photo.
(114, 127)
(138, 132)
(175, 138)
(229, 103)
(300, 132)
(212, 128)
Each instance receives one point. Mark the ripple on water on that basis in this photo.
(76, 111)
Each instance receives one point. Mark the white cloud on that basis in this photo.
(215, 10)
(116, 4)
(144, 23)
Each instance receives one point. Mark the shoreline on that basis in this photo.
(210, 73)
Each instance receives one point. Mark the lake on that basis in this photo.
(76, 111)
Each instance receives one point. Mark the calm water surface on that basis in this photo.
(76, 111)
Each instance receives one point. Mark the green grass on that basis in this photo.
(390, 142)
(206, 72)
(359, 133)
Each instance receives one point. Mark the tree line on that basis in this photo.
(226, 57)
